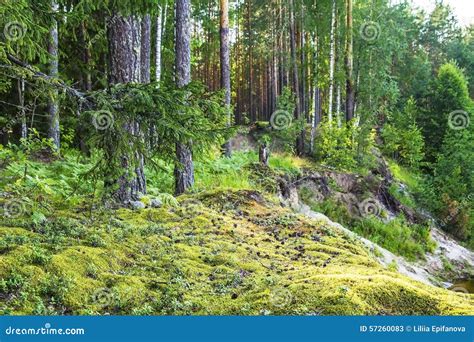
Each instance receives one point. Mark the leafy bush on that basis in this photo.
(347, 147)
(402, 138)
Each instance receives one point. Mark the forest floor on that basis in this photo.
(238, 249)
(441, 260)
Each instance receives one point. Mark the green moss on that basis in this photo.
(221, 252)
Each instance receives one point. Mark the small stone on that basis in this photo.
(156, 203)
(136, 205)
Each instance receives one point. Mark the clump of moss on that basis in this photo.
(222, 252)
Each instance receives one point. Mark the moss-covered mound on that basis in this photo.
(216, 253)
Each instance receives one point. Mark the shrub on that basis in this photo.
(402, 138)
(347, 147)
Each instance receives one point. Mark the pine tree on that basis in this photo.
(184, 169)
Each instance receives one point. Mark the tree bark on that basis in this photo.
(53, 105)
(145, 54)
(316, 94)
(21, 98)
(225, 64)
(250, 65)
(159, 33)
(184, 169)
(86, 76)
(332, 61)
(350, 91)
(125, 67)
(300, 138)
(263, 154)
(338, 106)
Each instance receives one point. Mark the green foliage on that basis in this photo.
(39, 182)
(449, 93)
(329, 207)
(450, 134)
(403, 196)
(218, 172)
(347, 147)
(281, 132)
(411, 241)
(402, 139)
(133, 114)
(454, 179)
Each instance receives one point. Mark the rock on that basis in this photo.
(137, 205)
(156, 203)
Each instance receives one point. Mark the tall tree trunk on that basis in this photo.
(184, 170)
(298, 116)
(145, 53)
(125, 67)
(274, 72)
(250, 66)
(338, 106)
(332, 60)
(53, 105)
(159, 33)
(144, 37)
(225, 64)
(316, 94)
(85, 58)
(303, 63)
(21, 98)
(350, 92)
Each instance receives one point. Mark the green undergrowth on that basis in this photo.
(45, 184)
(410, 187)
(404, 175)
(409, 240)
(219, 252)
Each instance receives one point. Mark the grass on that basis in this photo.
(402, 196)
(214, 171)
(405, 176)
(410, 241)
